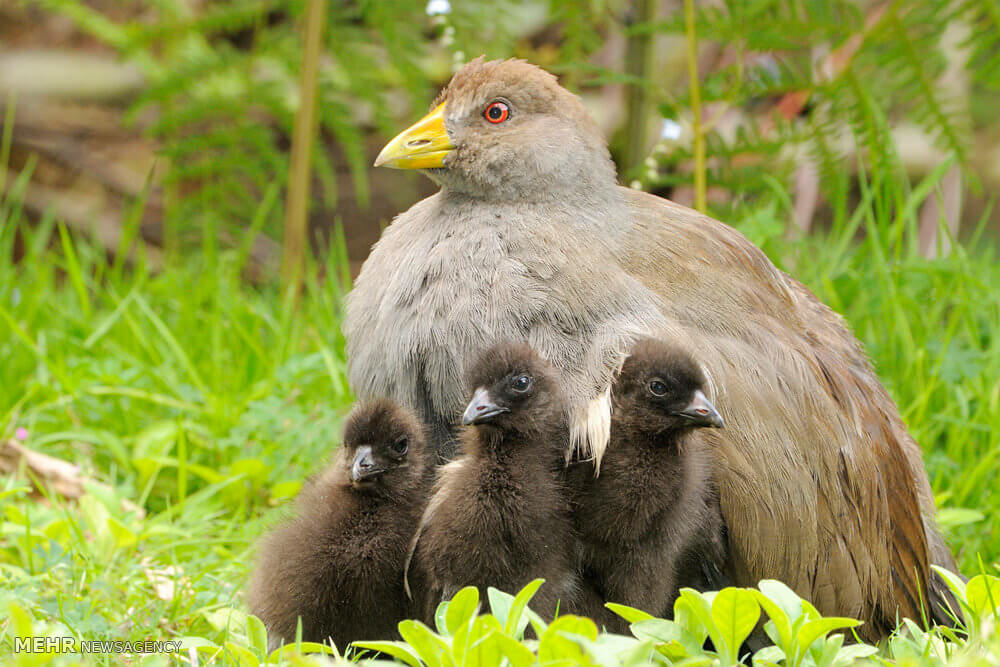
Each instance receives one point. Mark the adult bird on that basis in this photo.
(530, 238)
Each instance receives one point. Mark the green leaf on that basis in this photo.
(473, 645)
(735, 613)
(562, 640)
(952, 517)
(630, 614)
(512, 626)
(671, 640)
(953, 582)
(256, 635)
(301, 648)
(769, 655)
(500, 603)
(779, 622)
(983, 594)
(399, 650)
(516, 653)
(783, 596)
(693, 612)
(813, 630)
(429, 646)
(244, 658)
(461, 609)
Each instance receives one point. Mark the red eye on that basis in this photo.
(497, 112)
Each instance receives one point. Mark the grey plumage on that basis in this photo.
(531, 238)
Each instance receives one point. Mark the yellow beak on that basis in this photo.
(422, 146)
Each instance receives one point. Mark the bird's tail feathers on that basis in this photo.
(590, 430)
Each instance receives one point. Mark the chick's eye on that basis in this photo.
(657, 388)
(521, 383)
(400, 446)
(497, 112)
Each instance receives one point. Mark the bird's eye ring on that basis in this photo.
(400, 446)
(497, 112)
(521, 383)
(657, 388)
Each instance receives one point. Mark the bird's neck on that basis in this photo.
(582, 191)
(513, 447)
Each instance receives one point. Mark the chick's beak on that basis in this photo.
(702, 412)
(364, 467)
(422, 146)
(482, 408)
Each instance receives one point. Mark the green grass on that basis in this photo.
(195, 404)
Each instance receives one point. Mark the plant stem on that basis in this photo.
(303, 136)
(638, 63)
(700, 198)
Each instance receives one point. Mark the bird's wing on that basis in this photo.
(439, 496)
(820, 483)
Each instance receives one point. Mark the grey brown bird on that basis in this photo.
(338, 563)
(531, 238)
(650, 523)
(500, 513)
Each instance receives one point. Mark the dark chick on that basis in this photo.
(650, 523)
(338, 564)
(500, 514)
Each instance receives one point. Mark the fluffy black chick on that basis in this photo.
(650, 522)
(338, 563)
(500, 514)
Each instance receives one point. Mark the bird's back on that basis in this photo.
(815, 462)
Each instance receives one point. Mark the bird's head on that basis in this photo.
(513, 389)
(505, 130)
(661, 390)
(383, 446)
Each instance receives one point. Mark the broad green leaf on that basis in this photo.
(693, 613)
(243, 656)
(399, 650)
(473, 645)
(285, 490)
(672, 640)
(517, 654)
(630, 614)
(429, 646)
(782, 626)
(563, 640)
(953, 581)
(951, 517)
(848, 654)
(983, 594)
(121, 535)
(769, 655)
(512, 624)
(21, 620)
(256, 635)
(824, 651)
(813, 630)
(301, 648)
(499, 603)
(735, 613)
(783, 596)
(462, 608)
(439, 613)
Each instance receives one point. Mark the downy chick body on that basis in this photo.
(650, 522)
(338, 563)
(500, 515)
